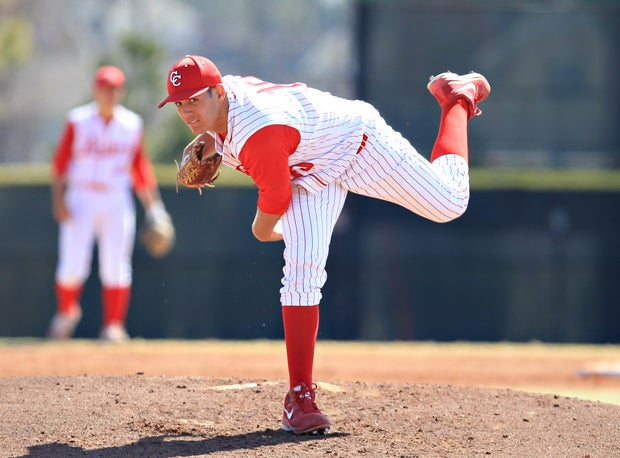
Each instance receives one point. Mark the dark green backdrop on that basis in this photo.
(518, 266)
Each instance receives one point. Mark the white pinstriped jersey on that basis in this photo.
(331, 128)
(103, 153)
(346, 146)
(100, 171)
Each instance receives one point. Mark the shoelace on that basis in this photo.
(306, 400)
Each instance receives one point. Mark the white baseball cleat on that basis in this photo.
(114, 332)
(63, 325)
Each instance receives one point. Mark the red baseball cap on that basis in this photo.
(109, 75)
(190, 77)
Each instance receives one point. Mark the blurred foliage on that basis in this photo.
(16, 41)
(166, 143)
(141, 58)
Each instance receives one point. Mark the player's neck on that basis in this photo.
(107, 113)
(222, 119)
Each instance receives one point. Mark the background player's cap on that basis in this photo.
(190, 77)
(109, 75)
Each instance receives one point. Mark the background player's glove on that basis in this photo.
(198, 170)
(157, 235)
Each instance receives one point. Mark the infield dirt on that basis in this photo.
(217, 399)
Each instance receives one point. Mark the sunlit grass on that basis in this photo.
(481, 178)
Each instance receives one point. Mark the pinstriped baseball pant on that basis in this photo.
(387, 168)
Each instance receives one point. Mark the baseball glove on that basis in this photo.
(196, 169)
(157, 235)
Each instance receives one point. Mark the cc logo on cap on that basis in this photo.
(175, 78)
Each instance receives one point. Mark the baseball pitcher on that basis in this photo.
(305, 149)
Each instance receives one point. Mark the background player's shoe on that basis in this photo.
(447, 87)
(114, 332)
(63, 325)
(301, 415)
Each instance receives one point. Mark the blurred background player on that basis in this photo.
(99, 158)
(305, 149)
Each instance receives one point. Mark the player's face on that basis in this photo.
(109, 96)
(203, 113)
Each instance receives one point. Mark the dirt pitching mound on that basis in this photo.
(162, 416)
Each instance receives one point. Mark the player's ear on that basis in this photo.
(220, 90)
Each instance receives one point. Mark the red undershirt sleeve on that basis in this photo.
(265, 159)
(64, 151)
(142, 169)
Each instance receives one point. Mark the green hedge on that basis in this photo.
(481, 178)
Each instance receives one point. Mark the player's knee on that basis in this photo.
(117, 277)
(69, 282)
(71, 279)
(453, 213)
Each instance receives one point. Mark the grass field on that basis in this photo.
(482, 179)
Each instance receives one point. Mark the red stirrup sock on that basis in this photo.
(115, 304)
(301, 325)
(67, 299)
(452, 135)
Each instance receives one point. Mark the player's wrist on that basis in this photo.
(155, 210)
